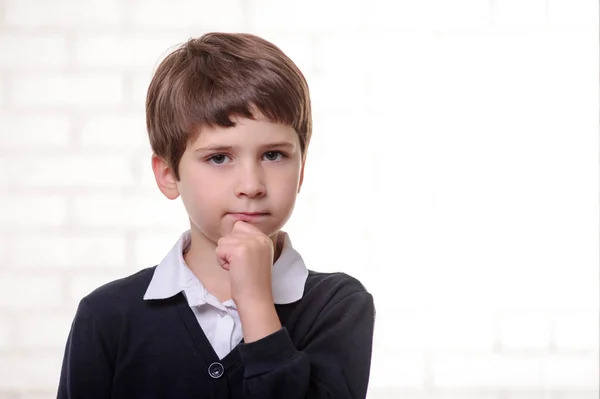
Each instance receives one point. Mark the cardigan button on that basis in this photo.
(216, 370)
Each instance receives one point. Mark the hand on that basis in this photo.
(247, 254)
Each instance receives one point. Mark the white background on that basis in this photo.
(453, 170)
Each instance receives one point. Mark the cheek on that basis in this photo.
(205, 196)
(287, 189)
(199, 191)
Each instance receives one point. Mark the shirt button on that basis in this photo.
(216, 370)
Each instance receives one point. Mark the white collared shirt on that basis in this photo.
(220, 321)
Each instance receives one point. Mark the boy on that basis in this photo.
(231, 311)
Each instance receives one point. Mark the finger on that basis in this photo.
(241, 226)
(223, 257)
(234, 240)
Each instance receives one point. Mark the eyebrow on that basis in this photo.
(226, 148)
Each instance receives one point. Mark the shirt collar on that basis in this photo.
(172, 275)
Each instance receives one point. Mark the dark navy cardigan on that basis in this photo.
(123, 347)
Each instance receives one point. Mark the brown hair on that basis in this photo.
(207, 80)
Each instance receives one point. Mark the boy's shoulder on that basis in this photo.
(333, 286)
(121, 293)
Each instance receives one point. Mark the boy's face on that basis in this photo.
(250, 172)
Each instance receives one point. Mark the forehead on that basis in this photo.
(246, 131)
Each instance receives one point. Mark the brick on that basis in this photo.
(22, 292)
(223, 15)
(144, 168)
(456, 394)
(139, 90)
(2, 92)
(150, 248)
(124, 51)
(582, 14)
(334, 50)
(34, 131)
(525, 330)
(115, 131)
(54, 335)
(581, 292)
(519, 13)
(6, 326)
(33, 52)
(79, 170)
(420, 329)
(488, 371)
(39, 394)
(572, 372)
(578, 394)
(332, 92)
(63, 13)
(81, 90)
(428, 14)
(311, 15)
(30, 372)
(75, 250)
(578, 329)
(392, 77)
(5, 178)
(530, 394)
(136, 211)
(463, 329)
(18, 211)
(385, 393)
(397, 369)
(4, 249)
(301, 48)
(413, 286)
(354, 261)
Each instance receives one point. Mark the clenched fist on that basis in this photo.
(248, 255)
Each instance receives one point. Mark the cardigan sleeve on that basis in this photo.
(335, 364)
(86, 371)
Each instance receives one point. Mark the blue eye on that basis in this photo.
(218, 159)
(274, 155)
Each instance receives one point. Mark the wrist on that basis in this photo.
(253, 301)
(259, 319)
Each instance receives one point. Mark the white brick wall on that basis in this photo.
(54, 90)
(45, 131)
(19, 211)
(577, 330)
(63, 14)
(6, 341)
(2, 93)
(116, 132)
(69, 251)
(38, 52)
(79, 170)
(122, 51)
(460, 135)
(21, 291)
(187, 14)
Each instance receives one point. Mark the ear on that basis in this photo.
(301, 177)
(165, 178)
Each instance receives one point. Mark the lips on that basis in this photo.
(249, 213)
(248, 216)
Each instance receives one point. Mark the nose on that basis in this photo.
(250, 182)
